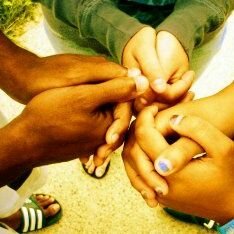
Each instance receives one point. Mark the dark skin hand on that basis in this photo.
(61, 124)
(23, 74)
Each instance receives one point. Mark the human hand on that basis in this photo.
(184, 149)
(147, 135)
(26, 75)
(115, 134)
(205, 185)
(139, 167)
(161, 59)
(61, 124)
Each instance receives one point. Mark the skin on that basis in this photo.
(146, 146)
(158, 57)
(70, 103)
(162, 59)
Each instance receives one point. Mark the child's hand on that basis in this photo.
(162, 60)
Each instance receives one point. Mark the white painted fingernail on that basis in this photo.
(133, 72)
(142, 84)
(159, 85)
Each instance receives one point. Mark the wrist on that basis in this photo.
(18, 141)
(15, 62)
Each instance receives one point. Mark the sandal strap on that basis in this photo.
(32, 219)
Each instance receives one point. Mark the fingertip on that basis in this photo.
(189, 77)
(142, 84)
(159, 85)
(163, 166)
(133, 72)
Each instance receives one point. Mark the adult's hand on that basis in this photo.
(61, 124)
(24, 75)
(150, 136)
(205, 186)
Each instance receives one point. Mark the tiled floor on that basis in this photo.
(111, 205)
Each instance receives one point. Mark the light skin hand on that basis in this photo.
(205, 186)
(188, 190)
(61, 124)
(184, 149)
(163, 61)
(138, 165)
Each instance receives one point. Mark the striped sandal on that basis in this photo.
(33, 218)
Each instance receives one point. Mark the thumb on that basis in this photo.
(213, 141)
(119, 90)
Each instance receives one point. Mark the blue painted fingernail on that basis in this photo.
(163, 165)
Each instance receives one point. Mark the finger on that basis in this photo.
(103, 71)
(162, 106)
(99, 172)
(146, 192)
(188, 97)
(178, 89)
(150, 66)
(118, 90)
(122, 116)
(102, 154)
(213, 141)
(148, 137)
(134, 71)
(146, 99)
(152, 70)
(145, 168)
(176, 156)
(130, 62)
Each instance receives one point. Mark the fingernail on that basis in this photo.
(144, 194)
(152, 203)
(142, 84)
(163, 166)
(159, 85)
(159, 191)
(143, 101)
(133, 72)
(176, 119)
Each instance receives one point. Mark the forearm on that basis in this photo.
(100, 20)
(192, 20)
(14, 61)
(16, 152)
